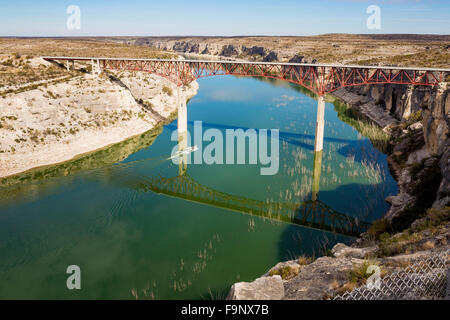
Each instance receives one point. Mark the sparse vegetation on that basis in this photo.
(379, 138)
(304, 260)
(413, 118)
(286, 272)
(378, 227)
(358, 275)
(434, 218)
(167, 90)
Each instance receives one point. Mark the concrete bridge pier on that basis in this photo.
(182, 128)
(316, 175)
(182, 144)
(320, 124)
(318, 147)
(182, 110)
(95, 67)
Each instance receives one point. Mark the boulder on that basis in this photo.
(265, 288)
(319, 279)
(341, 250)
(416, 126)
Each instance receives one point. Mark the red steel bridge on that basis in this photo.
(318, 78)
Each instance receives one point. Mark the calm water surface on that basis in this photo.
(107, 214)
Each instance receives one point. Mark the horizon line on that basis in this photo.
(222, 36)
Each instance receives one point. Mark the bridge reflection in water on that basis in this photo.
(311, 214)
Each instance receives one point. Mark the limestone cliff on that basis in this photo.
(226, 50)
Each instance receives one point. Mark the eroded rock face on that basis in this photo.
(367, 108)
(443, 194)
(261, 51)
(297, 59)
(418, 178)
(229, 51)
(399, 101)
(195, 48)
(420, 151)
(206, 50)
(436, 121)
(265, 288)
(80, 115)
(272, 56)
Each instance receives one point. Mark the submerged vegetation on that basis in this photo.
(379, 138)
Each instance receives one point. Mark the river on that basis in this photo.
(116, 215)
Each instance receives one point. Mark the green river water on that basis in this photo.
(112, 212)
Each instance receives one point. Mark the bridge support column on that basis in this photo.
(320, 124)
(316, 175)
(67, 65)
(95, 67)
(182, 128)
(182, 111)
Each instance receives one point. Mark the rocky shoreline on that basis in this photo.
(54, 122)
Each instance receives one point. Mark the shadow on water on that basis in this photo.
(297, 241)
(305, 141)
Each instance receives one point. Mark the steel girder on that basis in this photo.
(320, 79)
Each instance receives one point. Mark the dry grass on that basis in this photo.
(421, 58)
(359, 274)
(17, 70)
(303, 260)
(19, 66)
(167, 91)
(428, 245)
(348, 287)
(286, 272)
(76, 47)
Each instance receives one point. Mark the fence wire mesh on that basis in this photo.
(426, 278)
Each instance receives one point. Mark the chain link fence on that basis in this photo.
(426, 278)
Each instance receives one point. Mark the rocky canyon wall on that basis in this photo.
(418, 118)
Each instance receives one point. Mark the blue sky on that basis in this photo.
(224, 18)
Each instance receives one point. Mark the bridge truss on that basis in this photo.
(318, 78)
